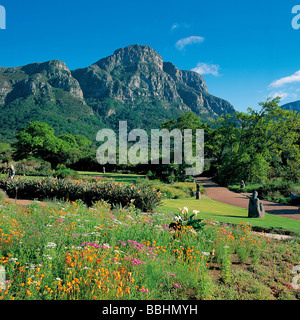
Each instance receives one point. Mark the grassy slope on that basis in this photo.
(230, 214)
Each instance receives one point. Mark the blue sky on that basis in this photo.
(246, 51)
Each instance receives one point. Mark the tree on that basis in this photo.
(38, 140)
(5, 152)
(256, 145)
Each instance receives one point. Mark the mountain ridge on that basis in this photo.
(292, 106)
(134, 84)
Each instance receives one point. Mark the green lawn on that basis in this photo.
(119, 177)
(230, 214)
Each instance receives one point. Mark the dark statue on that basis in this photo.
(255, 208)
(198, 193)
(242, 184)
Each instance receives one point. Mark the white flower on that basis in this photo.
(184, 210)
(205, 253)
(47, 256)
(58, 279)
(50, 245)
(195, 212)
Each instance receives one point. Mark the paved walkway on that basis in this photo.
(224, 195)
(22, 202)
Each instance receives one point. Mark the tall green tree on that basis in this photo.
(38, 140)
(256, 146)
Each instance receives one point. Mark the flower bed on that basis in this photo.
(67, 251)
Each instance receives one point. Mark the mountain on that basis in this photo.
(44, 92)
(132, 84)
(292, 106)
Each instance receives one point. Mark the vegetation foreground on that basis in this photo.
(70, 251)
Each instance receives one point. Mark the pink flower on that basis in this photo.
(135, 262)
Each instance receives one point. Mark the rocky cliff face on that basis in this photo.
(38, 79)
(133, 82)
(137, 74)
(44, 92)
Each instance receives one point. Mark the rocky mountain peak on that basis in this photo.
(137, 75)
(48, 68)
(133, 84)
(131, 56)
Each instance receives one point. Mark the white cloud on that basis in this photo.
(180, 44)
(286, 80)
(205, 68)
(174, 26)
(283, 95)
(177, 26)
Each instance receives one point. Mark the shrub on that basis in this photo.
(33, 167)
(279, 187)
(169, 191)
(65, 174)
(271, 191)
(145, 197)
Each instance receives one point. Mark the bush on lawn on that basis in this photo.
(33, 167)
(66, 174)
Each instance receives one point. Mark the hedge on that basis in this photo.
(145, 197)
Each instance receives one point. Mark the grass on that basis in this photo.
(230, 214)
(119, 177)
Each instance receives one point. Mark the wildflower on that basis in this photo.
(143, 289)
(171, 274)
(205, 253)
(177, 285)
(195, 212)
(50, 245)
(135, 262)
(105, 246)
(184, 210)
(13, 259)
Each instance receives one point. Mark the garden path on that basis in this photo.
(22, 202)
(224, 195)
